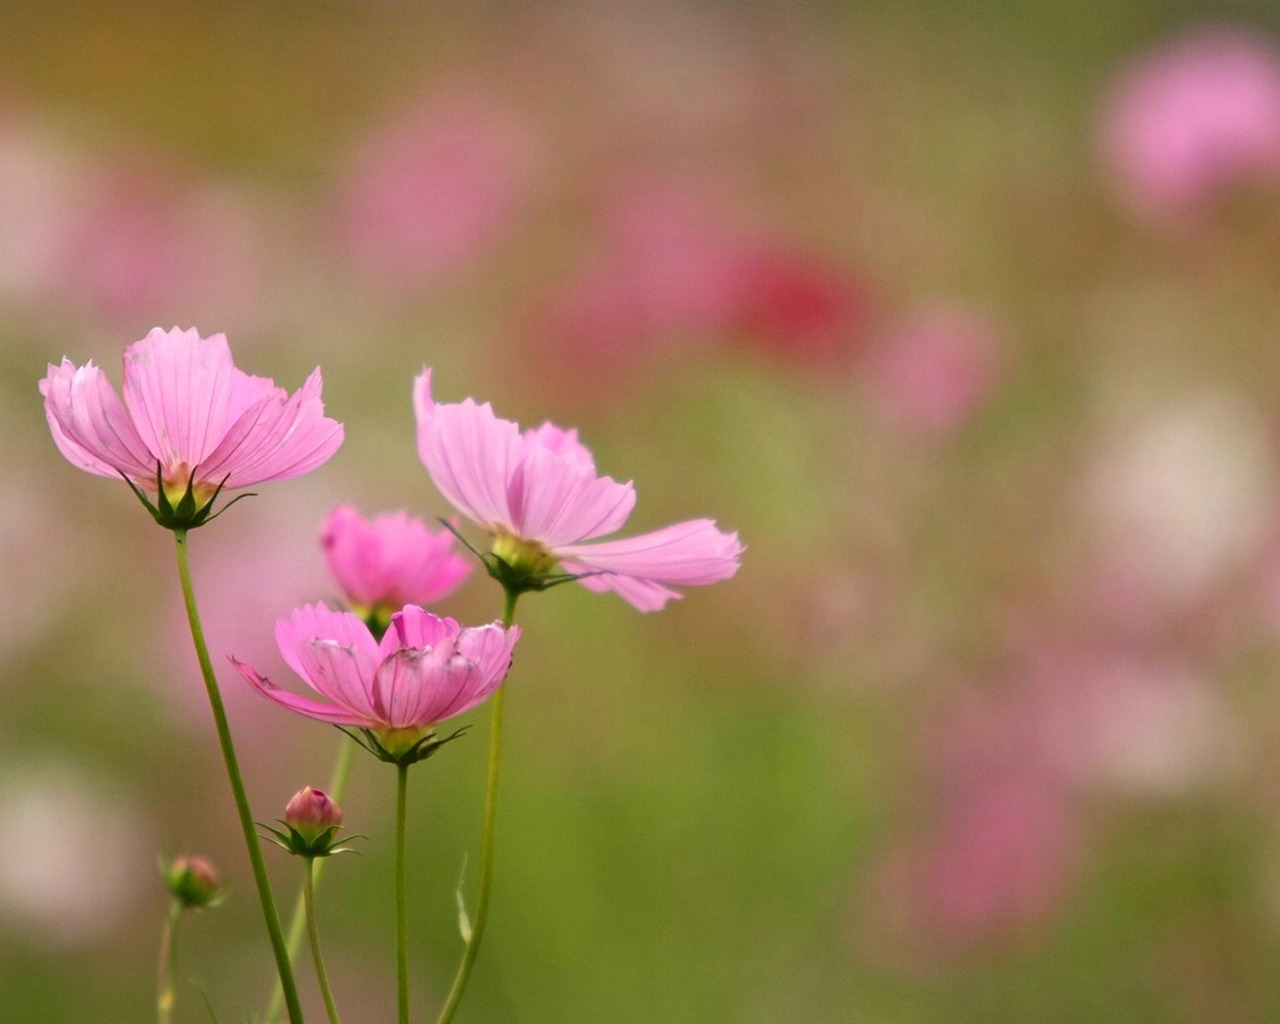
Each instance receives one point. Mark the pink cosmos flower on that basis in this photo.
(425, 669)
(539, 493)
(1190, 121)
(188, 411)
(390, 561)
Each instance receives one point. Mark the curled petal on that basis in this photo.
(90, 426)
(318, 710)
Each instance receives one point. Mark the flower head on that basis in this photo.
(539, 493)
(190, 423)
(395, 691)
(192, 881)
(385, 563)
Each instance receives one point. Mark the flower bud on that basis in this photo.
(192, 881)
(311, 813)
(311, 823)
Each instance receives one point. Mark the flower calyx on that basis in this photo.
(518, 565)
(401, 747)
(190, 511)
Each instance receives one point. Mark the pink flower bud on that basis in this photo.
(192, 881)
(311, 813)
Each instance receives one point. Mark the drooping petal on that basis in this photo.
(469, 452)
(643, 595)
(90, 426)
(177, 386)
(692, 553)
(280, 437)
(555, 499)
(318, 710)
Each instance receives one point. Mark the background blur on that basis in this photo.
(964, 315)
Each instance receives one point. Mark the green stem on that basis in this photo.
(402, 901)
(313, 932)
(298, 922)
(487, 837)
(169, 964)
(283, 967)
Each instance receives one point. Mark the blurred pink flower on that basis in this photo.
(798, 306)
(1190, 121)
(388, 562)
(144, 240)
(426, 669)
(933, 371)
(189, 411)
(432, 190)
(998, 864)
(539, 492)
(119, 239)
(668, 267)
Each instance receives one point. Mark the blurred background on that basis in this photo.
(964, 315)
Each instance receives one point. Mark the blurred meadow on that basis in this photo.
(965, 316)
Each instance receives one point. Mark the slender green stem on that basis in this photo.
(313, 932)
(402, 898)
(283, 967)
(487, 838)
(298, 921)
(169, 964)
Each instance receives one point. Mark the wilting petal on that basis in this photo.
(331, 713)
(90, 426)
(643, 595)
(177, 386)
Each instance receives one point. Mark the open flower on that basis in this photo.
(425, 669)
(539, 493)
(385, 563)
(190, 423)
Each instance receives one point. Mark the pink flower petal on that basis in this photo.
(343, 669)
(281, 437)
(392, 560)
(557, 500)
(469, 452)
(692, 553)
(318, 710)
(177, 387)
(90, 426)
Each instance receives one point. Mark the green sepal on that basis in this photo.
(515, 580)
(294, 842)
(187, 514)
(420, 751)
